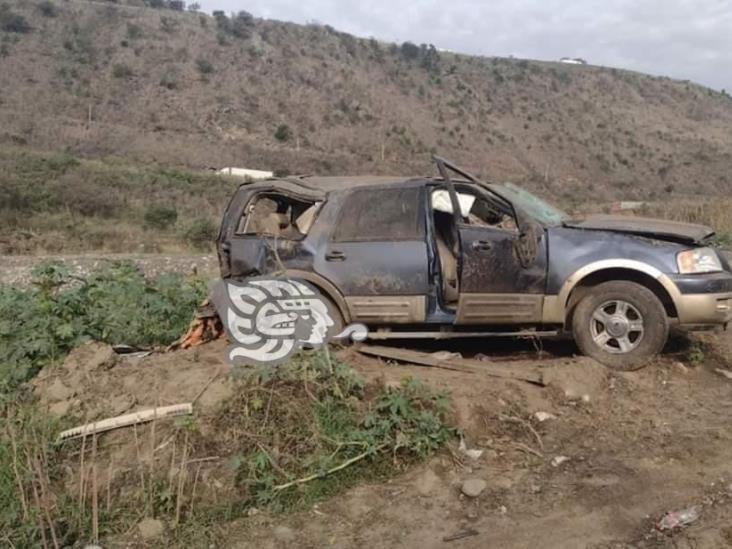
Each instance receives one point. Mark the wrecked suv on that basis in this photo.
(452, 256)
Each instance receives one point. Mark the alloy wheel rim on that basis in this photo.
(617, 327)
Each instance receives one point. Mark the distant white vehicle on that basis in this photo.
(573, 61)
(254, 175)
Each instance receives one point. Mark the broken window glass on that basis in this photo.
(272, 214)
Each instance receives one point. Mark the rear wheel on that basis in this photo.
(620, 324)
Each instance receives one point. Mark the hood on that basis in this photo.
(643, 226)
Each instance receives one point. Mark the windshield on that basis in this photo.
(543, 212)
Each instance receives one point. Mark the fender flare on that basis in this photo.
(555, 307)
(327, 287)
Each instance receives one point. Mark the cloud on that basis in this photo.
(683, 39)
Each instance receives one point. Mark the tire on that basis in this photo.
(620, 324)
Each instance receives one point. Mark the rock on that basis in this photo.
(679, 367)
(284, 534)
(446, 355)
(724, 373)
(472, 453)
(543, 416)
(473, 487)
(558, 460)
(150, 528)
(427, 482)
(58, 391)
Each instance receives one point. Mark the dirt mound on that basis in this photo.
(94, 382)
(607, 456)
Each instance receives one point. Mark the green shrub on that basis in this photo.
(240, 25)
(328, 435)
(170, 79)
(200, 233)
(120, 70)
(168, 24)
(283, 133)
(115, 305)
(409, 51)
(48, 8)
(160, 217)
(204, 66)
(12, 22)
(133, 31)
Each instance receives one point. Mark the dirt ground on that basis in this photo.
(620, 450)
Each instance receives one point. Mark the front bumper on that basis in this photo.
(703, 300)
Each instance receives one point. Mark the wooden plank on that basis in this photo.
(532, 375)
(127, 420)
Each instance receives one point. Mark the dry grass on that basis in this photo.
(716, 213)
(351, 105)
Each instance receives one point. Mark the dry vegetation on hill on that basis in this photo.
(101, 78)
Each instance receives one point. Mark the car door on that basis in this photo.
(499, 282)
(377, 254)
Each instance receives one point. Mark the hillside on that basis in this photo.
(186, 89)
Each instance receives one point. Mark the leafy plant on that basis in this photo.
(204, 66)
(114, 305)
(120, 70)
(695, 355)
(313, 410)
(160, 217)
(283, 133)
(48, 8)
(200, 233)
(12, 22)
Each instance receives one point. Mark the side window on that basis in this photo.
(380, 214)
(272, 214)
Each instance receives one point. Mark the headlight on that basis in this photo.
(700, 260)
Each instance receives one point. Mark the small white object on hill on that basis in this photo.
(244, 173)
(573, 61)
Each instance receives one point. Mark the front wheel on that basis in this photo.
(620, 324)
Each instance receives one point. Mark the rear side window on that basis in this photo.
(380, 214)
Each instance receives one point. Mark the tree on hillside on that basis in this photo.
(12, 22)
(409, 51)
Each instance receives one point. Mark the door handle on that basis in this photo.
(481, 245)
(335, 255)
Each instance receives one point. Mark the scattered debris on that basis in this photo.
(558, 460)
(472, 453)
(446, 355)
(724, 373)
(678, 519)
(127, 420)
(530, 374)
(541, 417)
(473, 487)
(461, 534)
(123, 349)
(526, 425)
(205, 327)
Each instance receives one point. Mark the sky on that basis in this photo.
(683, 39)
